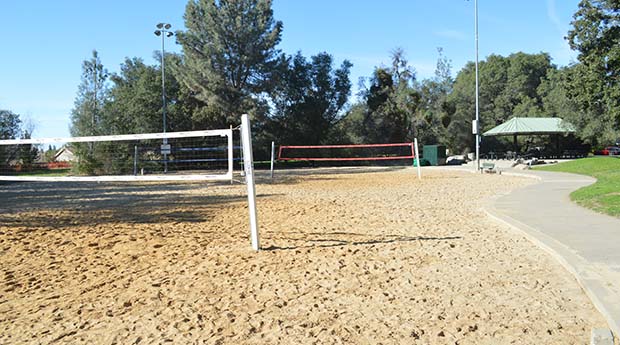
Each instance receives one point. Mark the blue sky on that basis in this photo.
(44, 42)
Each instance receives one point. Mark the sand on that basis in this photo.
(350, 257)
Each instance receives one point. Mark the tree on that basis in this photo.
(49, 155)
(134, 104)
(431, 117)
(10, 128)
(594, 83)
(390, 103)
(229, 55)
(92, 94)
(509, 87)
(27, 153)
(309, 98)
(10, 125)
(87, 114)
(555, 99)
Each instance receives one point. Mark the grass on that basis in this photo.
(604, 195)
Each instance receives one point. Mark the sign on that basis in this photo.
(165, 149)
(474, 127)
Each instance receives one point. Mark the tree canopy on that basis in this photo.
(309, 98)
(594, 83)
(229, 55)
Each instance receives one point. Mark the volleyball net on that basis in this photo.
(195, 155)
(344, 153)
(206, 155)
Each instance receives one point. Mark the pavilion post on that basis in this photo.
(516, 145)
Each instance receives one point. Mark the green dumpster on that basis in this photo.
(435, 154)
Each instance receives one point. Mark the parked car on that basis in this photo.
(609, 151)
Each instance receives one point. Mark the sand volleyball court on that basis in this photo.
(350, 257)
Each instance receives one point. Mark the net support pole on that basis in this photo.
(242, 160)
(273, 152)
(248, 168)
(135, 160)
(417, 156)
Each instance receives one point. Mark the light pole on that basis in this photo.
(477, 123)
(163, 31)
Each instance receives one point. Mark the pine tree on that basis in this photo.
(10, 127)
(87, 114)
(92, 93)
(230, 52)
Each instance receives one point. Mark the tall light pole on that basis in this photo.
(163, 31)
(477, 123)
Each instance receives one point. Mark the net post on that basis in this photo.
(135, 160)
(230, 155)
(246, 140)
(417, 156)
(241, 159)
(273, 151)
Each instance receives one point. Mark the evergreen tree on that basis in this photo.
(87, 114)
(27, 153)
(10, 128)
(135, 105)
(309, 99)
(229, 54)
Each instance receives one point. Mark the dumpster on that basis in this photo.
(434, 154)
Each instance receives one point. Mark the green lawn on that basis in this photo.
(604, 195)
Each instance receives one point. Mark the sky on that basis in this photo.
(45, 42)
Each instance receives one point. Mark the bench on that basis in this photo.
(490, 168)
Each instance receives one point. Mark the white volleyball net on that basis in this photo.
(175, 156)
(195, 155)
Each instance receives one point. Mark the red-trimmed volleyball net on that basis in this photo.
(356, 152)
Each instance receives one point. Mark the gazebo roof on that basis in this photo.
(531, 125)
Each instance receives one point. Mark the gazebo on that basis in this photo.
(531, 126)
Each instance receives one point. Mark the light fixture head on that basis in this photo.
(168, 34)
(157, 32)
(167, 26)
(160, 25)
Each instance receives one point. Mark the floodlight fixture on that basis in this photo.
(160, 25)
(157, 32)
(167, 26)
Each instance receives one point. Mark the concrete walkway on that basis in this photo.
(585, 242)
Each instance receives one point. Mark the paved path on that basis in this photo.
(585, 242)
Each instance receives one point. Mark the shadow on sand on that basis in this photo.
(329, 243)
(88, 203)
